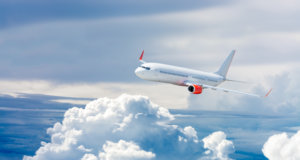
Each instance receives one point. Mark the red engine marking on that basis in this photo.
(197, 89)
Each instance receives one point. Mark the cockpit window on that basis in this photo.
(147, 68)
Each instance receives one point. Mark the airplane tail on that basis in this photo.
(141, 57)
(225, 66)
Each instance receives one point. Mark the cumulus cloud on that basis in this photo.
(190, 133)
(218, 147)
(124, 151)
(280, 146)
(131, 127)
(89, 157)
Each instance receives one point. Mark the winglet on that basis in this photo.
(141, 57)
(268, 93)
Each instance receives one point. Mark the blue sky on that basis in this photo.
(77, 51)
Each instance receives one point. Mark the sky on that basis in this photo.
(57, 43)
(78, 51)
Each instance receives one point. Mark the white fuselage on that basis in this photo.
(176, 75)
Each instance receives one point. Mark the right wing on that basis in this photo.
(204, 86)
(234, 91)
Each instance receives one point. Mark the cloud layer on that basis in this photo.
(131, 127)
(94, 90)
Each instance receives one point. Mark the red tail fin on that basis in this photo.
(141, 57)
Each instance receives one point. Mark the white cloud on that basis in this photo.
(81, 147)
(124, 151)
(190, 133)
(218, 146)
(280, 146)
(89, 157)
(127, 125)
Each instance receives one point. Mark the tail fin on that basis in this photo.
(225, 66)
(141, 57)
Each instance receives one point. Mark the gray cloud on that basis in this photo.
(18, 12)
(83, 49)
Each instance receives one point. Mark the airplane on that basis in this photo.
(195, 81)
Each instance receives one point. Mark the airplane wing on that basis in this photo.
(229, 90)
(234, 91)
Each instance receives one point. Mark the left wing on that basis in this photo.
(229, 90)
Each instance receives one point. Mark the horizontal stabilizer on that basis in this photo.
(237, 81)
(268, 93)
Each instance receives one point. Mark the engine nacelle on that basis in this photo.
(195, 89)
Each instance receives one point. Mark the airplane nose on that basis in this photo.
(138, 71)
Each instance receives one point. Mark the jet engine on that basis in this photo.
(195, 89)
